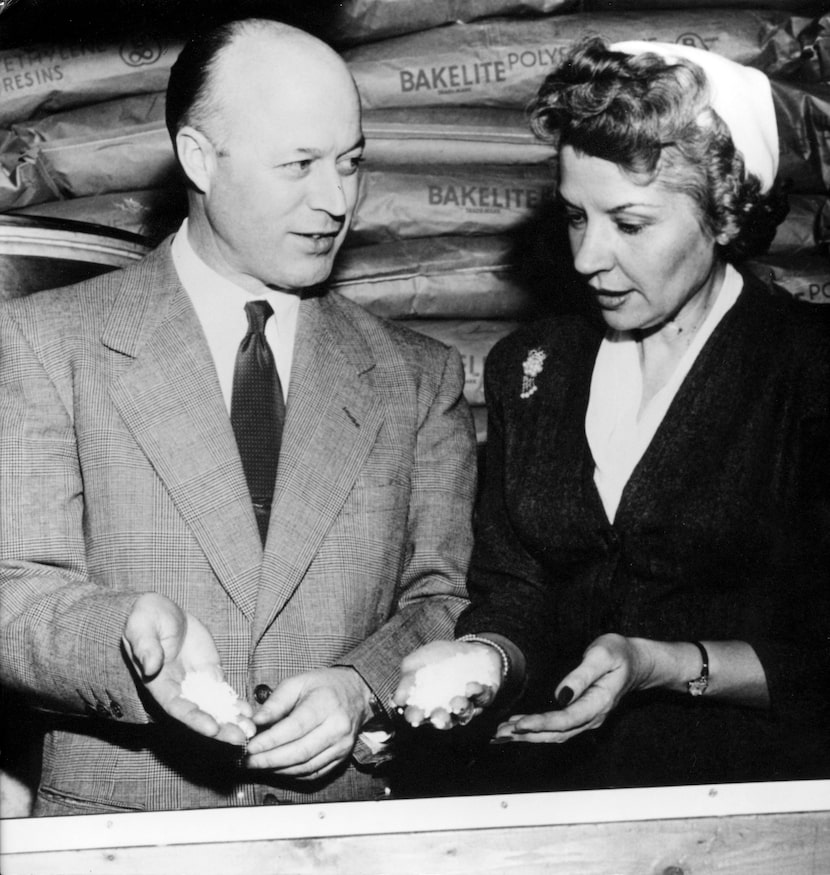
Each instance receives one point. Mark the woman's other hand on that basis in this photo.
(611, 667)
(448, 683)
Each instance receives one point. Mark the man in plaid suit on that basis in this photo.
(129, 543)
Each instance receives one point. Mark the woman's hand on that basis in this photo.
(611, 667)
(447, 683)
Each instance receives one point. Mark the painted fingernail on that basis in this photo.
(565, 696)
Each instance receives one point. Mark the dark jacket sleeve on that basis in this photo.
(507, 582)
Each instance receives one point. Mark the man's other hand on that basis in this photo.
(164, 643)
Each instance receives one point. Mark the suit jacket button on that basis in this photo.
(261, 693)
(270, 799)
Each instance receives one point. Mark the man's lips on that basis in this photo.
(319, 241)
(318, 234)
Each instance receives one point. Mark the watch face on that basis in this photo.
(697, 687)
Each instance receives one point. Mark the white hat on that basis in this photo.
(740, 95)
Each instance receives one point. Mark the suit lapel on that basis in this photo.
(332, 420)
(170, 400)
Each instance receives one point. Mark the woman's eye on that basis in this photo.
(629, 228)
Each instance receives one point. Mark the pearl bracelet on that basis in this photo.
(505, 660)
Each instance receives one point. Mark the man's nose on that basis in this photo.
(328, 191)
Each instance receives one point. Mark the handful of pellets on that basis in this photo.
(438, 684)
(215, 697)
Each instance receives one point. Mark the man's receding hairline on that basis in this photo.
(279, 34)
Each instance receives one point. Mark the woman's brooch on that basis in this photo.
(531, 368)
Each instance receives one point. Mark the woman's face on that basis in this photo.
(640, 247)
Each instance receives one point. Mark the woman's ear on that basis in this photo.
(197, 156)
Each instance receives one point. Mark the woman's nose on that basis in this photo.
(591, 247)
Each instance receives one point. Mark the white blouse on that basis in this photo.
(616, 435)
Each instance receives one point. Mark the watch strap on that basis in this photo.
(698, 686)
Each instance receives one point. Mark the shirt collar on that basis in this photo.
(211, 291)
(220, 308)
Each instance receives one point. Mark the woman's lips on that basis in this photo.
(610, 299)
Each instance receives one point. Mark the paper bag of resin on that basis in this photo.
(480, 423)
(39, 79)
(362, 21)
(803, 114)
(20, 180)
(804, 276)
(115, 145)
(152, 214)
(806, 229)
(429, 201)
(99, 119)
(502, 62)
(682, 5)
(451, 135)
(436, 277)
(139, 158)
(473, 339)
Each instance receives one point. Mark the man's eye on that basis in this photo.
(349, 166)
(298, 168)
(574, 220)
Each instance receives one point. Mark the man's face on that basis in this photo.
(283, 183)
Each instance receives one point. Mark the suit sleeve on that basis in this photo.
(60, 633)
(431, 591)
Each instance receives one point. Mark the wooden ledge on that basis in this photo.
(728, 828)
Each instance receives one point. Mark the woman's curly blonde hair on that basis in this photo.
(652, 118)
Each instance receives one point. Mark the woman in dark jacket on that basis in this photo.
(653, 543)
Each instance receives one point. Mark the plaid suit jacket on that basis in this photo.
(119, 474)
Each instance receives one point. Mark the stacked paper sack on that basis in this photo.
(450, 231)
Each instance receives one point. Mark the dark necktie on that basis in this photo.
(258, 412)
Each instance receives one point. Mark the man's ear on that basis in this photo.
(197, 157)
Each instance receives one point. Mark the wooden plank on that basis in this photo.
(741, 845)
(666, 831)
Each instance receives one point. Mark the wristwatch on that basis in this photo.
(698, 686)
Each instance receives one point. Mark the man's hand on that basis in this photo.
(164, 643)
(310, 723)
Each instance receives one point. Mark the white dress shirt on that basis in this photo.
(617, 436)
(220, 306)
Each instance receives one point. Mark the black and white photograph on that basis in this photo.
(414, 437)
